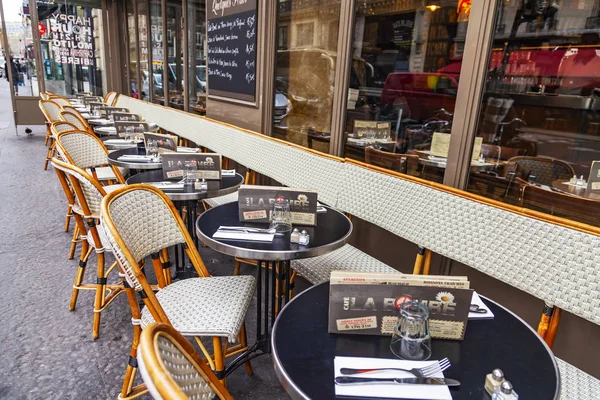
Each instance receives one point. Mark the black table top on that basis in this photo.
(332, 231)
(303, 352)
(228, 184)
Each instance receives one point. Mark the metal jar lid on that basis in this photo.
(506, 387)
(497, 374)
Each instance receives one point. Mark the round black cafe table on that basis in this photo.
(303, 352)
(273, 272)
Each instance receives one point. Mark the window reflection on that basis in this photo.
(305, 71)
(406, 61)
(144, 54)
(197, 56)
(132, 49)
(175, 62)
(539, 118)
(21, 58)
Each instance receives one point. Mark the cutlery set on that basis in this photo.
(423, 376)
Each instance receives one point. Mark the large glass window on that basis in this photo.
(540, 120)
(144, 53)
(20, 55)
(305, 71)
(132, 40)
(406, 59)
(175, 62)
(196, 56)
(72, 46)
(156, 32)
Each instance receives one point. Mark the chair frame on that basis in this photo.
(107, 97)
(84, 123)
(159, 262)
(105, 293)
(115, 170)
(514, 160)
(49, 119)
(159, 375)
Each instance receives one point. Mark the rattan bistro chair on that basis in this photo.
(405, 163)
(76, 119)
(56, 128)
(545, 170)
(172, 369)
(51, 112)
(141, 221)
(61, 101)
(86, 151)
(110, 98)
(87, 198)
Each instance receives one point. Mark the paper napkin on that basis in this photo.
(477, 300)
(250, 236)
(392, 390)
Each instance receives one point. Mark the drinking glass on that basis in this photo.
(190, 171)
(281, 216)
(411, 339)
(152, 148)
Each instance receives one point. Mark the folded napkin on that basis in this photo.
(181, 149)
(119, 141)
(107, 129)
(100, 121)
(391, 390)
(477, 300)
(167, 185)
(249, 236)
(136, 158)
(228, 172)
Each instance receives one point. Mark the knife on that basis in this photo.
(351, 380)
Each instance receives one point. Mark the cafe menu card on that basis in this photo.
(199, 165)
(363, 128)
(123, 127)
(112, 110)
(363, 303)
(440, 145)
(165, 143)
(383, 130)
(126, 116)
(256, 202)
(594, 177)
(91, 99)
(96, 106)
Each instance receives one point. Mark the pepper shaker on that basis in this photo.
(304, 238)
(505, 392)
(494, 380)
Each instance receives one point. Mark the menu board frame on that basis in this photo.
(218, 11)
(208, 165)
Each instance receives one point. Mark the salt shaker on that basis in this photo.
(295, 235)
(494, 380)
(505, 392)
(304, 238)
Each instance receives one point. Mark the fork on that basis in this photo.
(424, 372)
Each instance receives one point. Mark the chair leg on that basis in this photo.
(419, 261)
(427, 263)
(68, 218)
(74, 240)
(244, 343)
(219, 358)
(236, 269)
(49, 154)
(85, 253)
(128, 391)
(100, 291)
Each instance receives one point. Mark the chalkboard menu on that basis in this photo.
(232, 49)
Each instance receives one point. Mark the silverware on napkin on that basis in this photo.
(353, 380)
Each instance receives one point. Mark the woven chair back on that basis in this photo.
(88, 192)
(51, 110)
(44, 96)
(83, 149)
(61, 126)
(61, 101)
(545, 170)
(75, 119)
(72, 109)
(171, 368)
(110, 98)
(393, 161)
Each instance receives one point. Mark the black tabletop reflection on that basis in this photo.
(304, 352)
(228, 184)
(331, 232)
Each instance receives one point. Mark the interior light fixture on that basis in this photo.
(432, 5)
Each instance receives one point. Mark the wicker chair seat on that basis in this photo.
(576, 384)
(220, 200)
(347, 258)
(213, 306)
(106, 173)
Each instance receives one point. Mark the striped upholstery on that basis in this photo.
(218, 201)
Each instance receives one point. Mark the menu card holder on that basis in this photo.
(367, 303)
(126, 117)
(165, 143)
(255, 203)
(112, 110)
(593, 182)
(131, 128)
(198, 165)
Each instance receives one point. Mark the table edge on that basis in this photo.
(296, 393)
(269, 255)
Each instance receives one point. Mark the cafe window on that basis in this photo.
(539, 123)
(132, 40)
(21, 58)
(156, 32)
(196, 11)
(403, 85)
(143, 48)
(305, 72)
(72, 47)
(175, 62)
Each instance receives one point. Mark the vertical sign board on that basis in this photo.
(231, 36)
